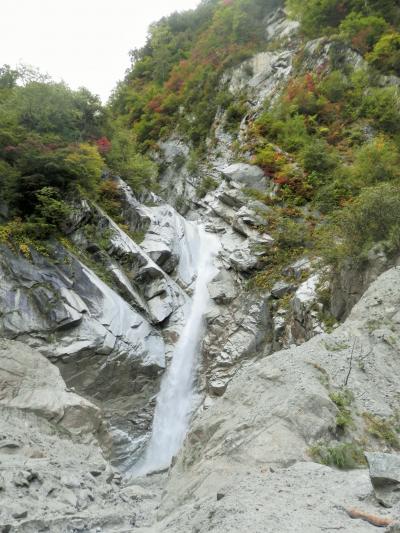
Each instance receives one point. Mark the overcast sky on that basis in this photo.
(84, 42)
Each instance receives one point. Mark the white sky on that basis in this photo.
(83, 42)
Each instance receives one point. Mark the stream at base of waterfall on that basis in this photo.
(176, 399)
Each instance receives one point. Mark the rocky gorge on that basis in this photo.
(292, 420)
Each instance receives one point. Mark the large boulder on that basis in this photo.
(305, 321)
(384, 470)
(222, 288)
(53, 475)
(247, 175)
(29, 382)
(235, 334)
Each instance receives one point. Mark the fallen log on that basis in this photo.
(375, 520)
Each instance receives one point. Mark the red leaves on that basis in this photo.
(177, 77)
(299, 87)
(103, 145)
(361, 41)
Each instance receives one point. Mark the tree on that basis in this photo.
(317, 16)
(386, 54)
(125, 159)
(8, 77)
(363, 32)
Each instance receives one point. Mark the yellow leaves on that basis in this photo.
(5, 232)
(84, 161)
(86, 157)
(24, 249)
(14, 234)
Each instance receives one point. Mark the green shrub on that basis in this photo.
(125, 159)
(193, 164)
(318, 16)
(345, 456)
(291, 234)
(363, 32)
(386, 54)
(9, 177)
(84, 163)
(318, 157)
(21, 236)
(110, 199)
(376, 162)
(373, 217)
(234, 115)
(269, 159)
(336, 190)
(51, 208)
(66, 168)
(334, 86)
(343, 400)
(289, 132)
(294, 134)
(382, 107)
(207, 184)
(383, 430)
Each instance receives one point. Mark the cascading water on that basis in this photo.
(176, 399)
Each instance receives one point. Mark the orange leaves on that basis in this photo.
(179, 76)
(301, 88)
(309, 81)
(156, 104)
(281, 179)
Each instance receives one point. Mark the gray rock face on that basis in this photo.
(243, 260)
(254, 442)
(53, 474)
(98, 341)
(384, 470)
(222, 289)
(302, 498)
(281, 288)
(110, 350)
(71, 303)
(305, 323)
(234, 335)
(350, 283)
(248, 175)
(28, 381)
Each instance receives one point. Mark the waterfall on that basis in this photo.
(176, 399)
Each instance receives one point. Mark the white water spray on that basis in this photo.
(175, 401)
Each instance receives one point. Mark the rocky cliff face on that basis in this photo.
(246, 463)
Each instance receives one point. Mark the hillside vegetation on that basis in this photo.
(54, 151)
(338, 127)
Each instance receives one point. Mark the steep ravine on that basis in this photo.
(111, 343)
(90, 331)
(111, 353)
